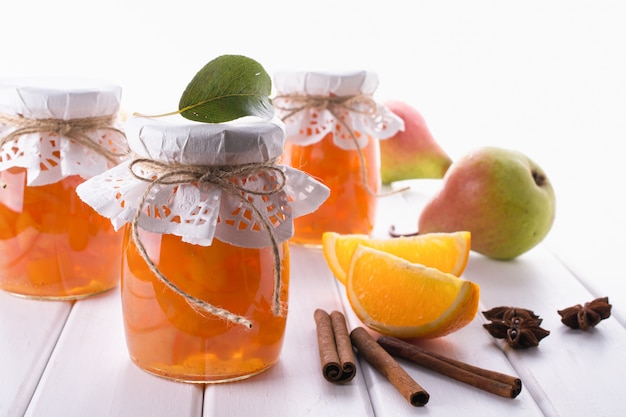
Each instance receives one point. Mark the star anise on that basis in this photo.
(584, 317)
(519, 326)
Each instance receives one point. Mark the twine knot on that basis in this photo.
(65, 128)
(223, 177)
(292, 104)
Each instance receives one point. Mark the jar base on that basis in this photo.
(69, 297)
(201, 379)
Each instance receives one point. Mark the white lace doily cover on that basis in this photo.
(200, 212)
(46, 158)
(310, 125)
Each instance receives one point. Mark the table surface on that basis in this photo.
(70, 358)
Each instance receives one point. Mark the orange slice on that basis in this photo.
(447, 252)
(407, 300)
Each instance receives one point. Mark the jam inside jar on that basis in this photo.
(333, 127)
(351, 206)
(52, 245)
(168, 337)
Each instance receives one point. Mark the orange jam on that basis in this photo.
(351, 207)
(52, 245)
(168, 337)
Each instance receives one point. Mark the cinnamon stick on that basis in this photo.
(335, 348)
(373, 353)
(486, 380)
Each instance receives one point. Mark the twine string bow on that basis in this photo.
(74, 129)
(360, 104)
(223, 177)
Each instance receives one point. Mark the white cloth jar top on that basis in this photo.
(42, 118)
(311, 102)
(200, 210)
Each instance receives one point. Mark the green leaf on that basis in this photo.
(227, 88)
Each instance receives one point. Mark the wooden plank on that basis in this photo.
(90, 373)
(593, 250)
(295, 385)
(571, 372)
(29, 329)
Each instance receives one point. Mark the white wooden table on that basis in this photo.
(70, 359)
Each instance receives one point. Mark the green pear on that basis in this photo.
(500, 195)
(413, 152)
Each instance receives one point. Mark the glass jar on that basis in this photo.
(52, 245)
(207, 213)
(168, 337)
(333, 132)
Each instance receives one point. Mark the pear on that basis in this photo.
(413, 152)
(499, 195)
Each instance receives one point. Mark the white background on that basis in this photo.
(545, 77)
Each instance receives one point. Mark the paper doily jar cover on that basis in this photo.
(333, 129)
(54, 134)
(207, 213)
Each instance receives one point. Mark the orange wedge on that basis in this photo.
(447, 252)
(407, 300)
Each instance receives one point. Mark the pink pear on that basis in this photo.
(499, 195)
(412, 153)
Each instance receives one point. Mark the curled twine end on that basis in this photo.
(202, 307)
(198, 305)
(180, 175)
(403, 189)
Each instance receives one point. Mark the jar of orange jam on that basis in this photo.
(54, 134)
(207, 213)
(333, 129)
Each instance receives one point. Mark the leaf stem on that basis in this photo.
(154, 116)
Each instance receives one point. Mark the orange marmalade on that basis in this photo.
(168, 337)
(55, 133)
(333, 127)
(351, 206)
(53, 245)
(205, 268)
